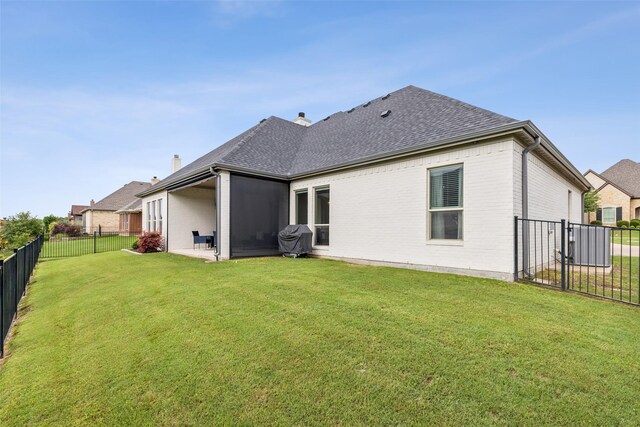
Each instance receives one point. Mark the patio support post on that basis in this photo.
(562, 253)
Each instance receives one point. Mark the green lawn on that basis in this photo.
(118, 339)
(626, 237)
(85, 245)
(620, 282)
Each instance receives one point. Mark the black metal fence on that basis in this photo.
(591, 259)
(15, 272)
(59, 245)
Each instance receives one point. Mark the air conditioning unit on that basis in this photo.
(590, 245)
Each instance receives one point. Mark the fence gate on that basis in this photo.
(592, 259)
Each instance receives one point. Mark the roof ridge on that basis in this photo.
(464, 104)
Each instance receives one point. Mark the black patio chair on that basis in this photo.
(198, 239)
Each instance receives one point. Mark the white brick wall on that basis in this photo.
(548, 190)
(379, 212)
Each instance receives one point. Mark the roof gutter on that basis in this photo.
(477, 136)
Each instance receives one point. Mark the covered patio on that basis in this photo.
(192, 209)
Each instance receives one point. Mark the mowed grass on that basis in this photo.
(85, 245)
(627, 237)
(621, 282)
(159, 339)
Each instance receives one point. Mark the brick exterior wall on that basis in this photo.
(610, 196)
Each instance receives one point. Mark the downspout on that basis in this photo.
(218, 213)
(525, 176)
(525, 202)
(582, 208)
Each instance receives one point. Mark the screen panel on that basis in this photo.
(259, 210)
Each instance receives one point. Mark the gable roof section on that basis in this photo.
(624, 175)
(135, 206)
(77, 209)
(121, 197)
(418, 119)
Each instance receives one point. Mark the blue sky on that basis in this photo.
(97, 94)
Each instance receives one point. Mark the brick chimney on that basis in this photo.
(176, 163)
(302, 120)
(154, 180)
(92, 202)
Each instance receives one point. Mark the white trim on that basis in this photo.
(315, 225)
(430, 240)
(295, 204)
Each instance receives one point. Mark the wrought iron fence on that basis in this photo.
(61, 245)
(592, 259)
(15, 273)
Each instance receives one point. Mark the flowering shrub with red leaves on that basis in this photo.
(150, 241)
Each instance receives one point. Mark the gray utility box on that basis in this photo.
(590, 245)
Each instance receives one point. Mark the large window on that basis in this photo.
(445, 202)
(608, 215)
(149, 216)
(321, 218)
(302, 207)
(154, 215)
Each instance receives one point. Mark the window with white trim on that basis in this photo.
(154, 215)
(446, 202)
(302, 207)
(608, 215)
(321, 217)
(149, 216)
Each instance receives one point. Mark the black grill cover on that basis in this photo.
(295, 240)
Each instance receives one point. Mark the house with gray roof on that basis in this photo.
(411, 178)
(619, 190)
(104, 215)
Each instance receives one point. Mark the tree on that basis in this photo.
(19, 229)
(591, 201)
(50, 219)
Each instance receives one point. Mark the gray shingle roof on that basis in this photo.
(135, 206)
(279, 147)
(121, 197)
(626, 175)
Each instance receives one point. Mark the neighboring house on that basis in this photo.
(412, 179)
(75, 214)
(130, 221)
(102, 215)
(619, 190)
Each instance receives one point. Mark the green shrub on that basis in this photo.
(19, 229)
(596, 222)
(134, 246)
(634, 223)
(622, 223)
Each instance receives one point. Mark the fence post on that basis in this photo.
(15, 252)
(94, 242)
(1, 308)
(562, 253)
(515, 247)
